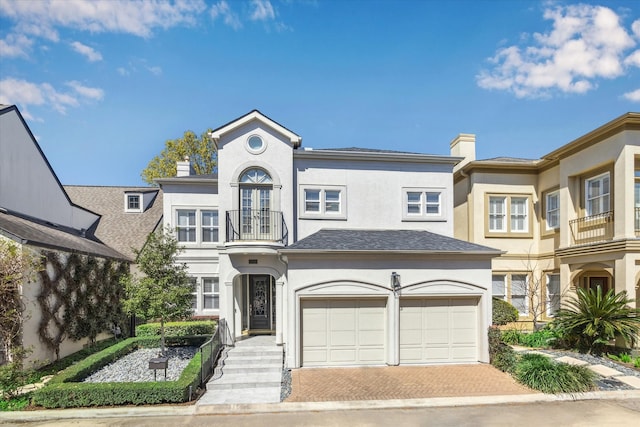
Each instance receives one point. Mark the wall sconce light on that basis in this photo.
(395, 281)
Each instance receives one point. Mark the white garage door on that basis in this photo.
(343, 332)
(438, 330)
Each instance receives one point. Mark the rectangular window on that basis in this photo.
(553, 210)
(497, 212)
(597, 194)
(324, 202)
(210, 228)
(423, 204)
(519, 293)
(186, 225)
(553, 294)
(331, 201)
(312, 201)
(210, 293)
(414, 203)
(498, 286)
(508, 214)
(133, 202)
(194, 295)
(519, 222)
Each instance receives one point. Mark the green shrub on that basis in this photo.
(12, 377)
(539, 372)
(511, 336)
(197, 327)
(16, 403)
(501, 355)
(590, 319)
(502, 312)
(64, 390)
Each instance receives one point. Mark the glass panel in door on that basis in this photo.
(255, 213)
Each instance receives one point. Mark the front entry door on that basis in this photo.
(259, 302)
(255, 212)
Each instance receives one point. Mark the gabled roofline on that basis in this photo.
(181, 180)
(46, 161)
(374, 156)
(216, 134)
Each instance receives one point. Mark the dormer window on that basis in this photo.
(132, 203)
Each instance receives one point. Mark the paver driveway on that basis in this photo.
(400, 382)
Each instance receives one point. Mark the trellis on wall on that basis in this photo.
(80, 297)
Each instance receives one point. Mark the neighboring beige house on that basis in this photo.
(347, 255)
(570, 219)
(84, 235)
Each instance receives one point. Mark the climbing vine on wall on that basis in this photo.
(80, 297)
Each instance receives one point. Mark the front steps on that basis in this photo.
(249, 372)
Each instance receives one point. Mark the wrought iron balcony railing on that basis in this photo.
(256, 225)
(593, 229)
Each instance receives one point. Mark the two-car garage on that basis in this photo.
(354, 331)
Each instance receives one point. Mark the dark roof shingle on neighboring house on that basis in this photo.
(31, 231)
(385, 240)
(123, 231)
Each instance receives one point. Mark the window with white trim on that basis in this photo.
(186, 225)
(597, 194)
(553, 294)
(326, 202)
(498, 286)
(423, 204)
(508, 214)
(209, 226)
(497, 212)
(210, 293)
(519, 300)
(552, 208)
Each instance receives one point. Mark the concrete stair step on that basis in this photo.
(250, 360)
(236, 396)
(258, 351)
(258, 367)
(246, 380)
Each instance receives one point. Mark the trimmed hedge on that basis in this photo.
(196, 327)
(503, 312)
(64, 390)
(501, 355)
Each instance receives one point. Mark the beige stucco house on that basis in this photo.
(347, 256)
(569, 219)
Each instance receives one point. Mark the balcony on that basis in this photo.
(594, 229)
(256, 225)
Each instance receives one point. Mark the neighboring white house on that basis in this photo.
(346, 255)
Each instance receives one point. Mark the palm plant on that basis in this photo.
(592, 319)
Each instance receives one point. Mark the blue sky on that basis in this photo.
(103, 84)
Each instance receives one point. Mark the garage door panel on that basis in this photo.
(353, 330)
(438, 330)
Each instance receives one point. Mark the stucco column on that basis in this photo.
(229, 309)
(393, 326)
(279, 309)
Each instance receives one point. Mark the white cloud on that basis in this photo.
(229, 17)
(633, 59)
(585, 44)
(26, 94)
(137, 17)
(86, 91)
(262, 10)
(91, 54)
(155, 70)
(633, 96)
(15, 45)
(123, 71)
(635, 27)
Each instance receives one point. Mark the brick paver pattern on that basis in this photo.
(400, 382)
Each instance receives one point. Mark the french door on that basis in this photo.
(255, 212)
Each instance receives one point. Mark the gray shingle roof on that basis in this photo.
(365, 150)
(385, 240)
(123, 231)
(36, 233)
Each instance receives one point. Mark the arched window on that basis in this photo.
(255, 176)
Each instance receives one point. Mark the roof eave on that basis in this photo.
(216, 134)
(395, 157)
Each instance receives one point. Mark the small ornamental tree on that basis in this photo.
(18, 266)
(165, 291)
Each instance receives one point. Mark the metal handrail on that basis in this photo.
(593, 228)
(256, 225)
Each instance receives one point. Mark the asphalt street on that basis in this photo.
(601, 413)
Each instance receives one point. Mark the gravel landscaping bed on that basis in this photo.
(134, 367)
